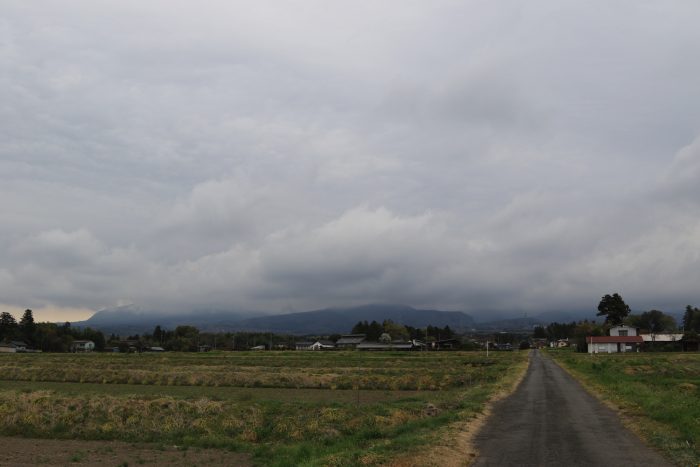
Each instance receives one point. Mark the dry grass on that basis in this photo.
(193, 401)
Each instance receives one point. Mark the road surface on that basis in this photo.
(550, 420)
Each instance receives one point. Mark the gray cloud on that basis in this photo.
(464, 155)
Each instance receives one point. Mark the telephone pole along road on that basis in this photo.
(550, 420)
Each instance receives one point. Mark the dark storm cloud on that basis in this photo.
(465, 155)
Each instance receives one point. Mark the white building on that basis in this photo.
(623, 330)
(621, 339)
(82, 346)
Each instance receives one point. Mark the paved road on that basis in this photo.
(550, 420)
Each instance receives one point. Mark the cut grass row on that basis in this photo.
(342, 370)
(657, 394)
(277, 426)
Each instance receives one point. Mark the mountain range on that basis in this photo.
(129, 320)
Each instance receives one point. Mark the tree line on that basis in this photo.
(617, 312)
(187, 338)
(47, 337)
(374, 331)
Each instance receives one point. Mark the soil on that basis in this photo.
(21, 452)
(550, 420)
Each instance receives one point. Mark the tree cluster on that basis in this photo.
(48, 337)
(191, 339)
(691, 322)
(555, 331)
(396, 331)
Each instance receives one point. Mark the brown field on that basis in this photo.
(276, 408)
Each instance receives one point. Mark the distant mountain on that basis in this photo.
(341, 320)
(547, 317)
(510, 324)
(129, 320)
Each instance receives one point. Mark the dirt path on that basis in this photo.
(21, 452)
(551, 420)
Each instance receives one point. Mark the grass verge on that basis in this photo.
(656, 395)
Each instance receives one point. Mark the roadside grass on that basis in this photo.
(317, 424)
(656, 393)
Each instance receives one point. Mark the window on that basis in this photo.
(623, 332)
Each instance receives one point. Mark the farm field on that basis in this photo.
(656, 393)
(303, 408)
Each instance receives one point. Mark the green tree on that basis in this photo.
(27, 327)
(360, 328)
(614, 308)
(584, 329)
(654, 321)
(8, 326)
(395, 330)
(158, 335)
(691, 320)
(374, 330)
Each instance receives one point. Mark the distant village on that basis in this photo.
(621, 331)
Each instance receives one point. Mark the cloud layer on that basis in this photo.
(466, 155)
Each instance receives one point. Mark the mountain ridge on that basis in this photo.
(132, 320)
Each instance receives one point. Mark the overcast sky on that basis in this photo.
(283, 156)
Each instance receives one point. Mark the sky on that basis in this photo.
(280, 156)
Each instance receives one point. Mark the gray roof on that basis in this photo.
(382, 346)
(352, 339)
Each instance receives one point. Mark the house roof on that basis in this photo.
(326, 342)
(614, 339)
(381, 345)
(351, 339)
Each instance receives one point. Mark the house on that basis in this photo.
(445, 344)
(350, 341)
(623, 330)
(613, 344)
(316, 345)
(561, 343)
(82, 346)
(388, 346)
(13, 347)
(323, 345)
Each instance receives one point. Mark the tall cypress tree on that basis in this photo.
(27, 327)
